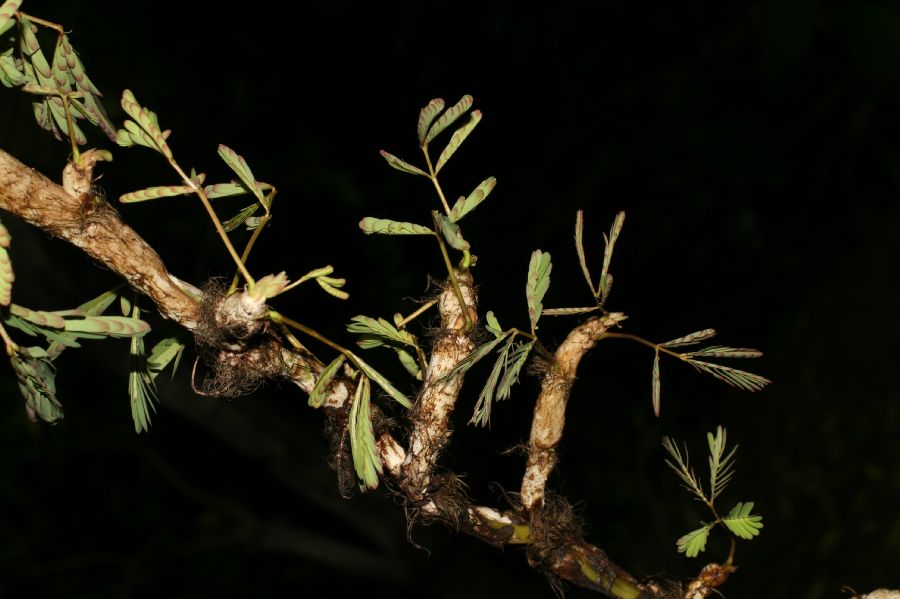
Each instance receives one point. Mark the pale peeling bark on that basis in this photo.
(96, 229)
(69, 212)
(550, 410)
(435, 404)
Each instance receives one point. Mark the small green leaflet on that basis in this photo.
(538, 282)
(451, 233)
(579, 249)
(517, 359)
(331, 286)
(240, 218)
(39, 317)
(683, 469)
(224, 190)
(721, 351)
(402, 165)
(382, 382)
(7, 14)
(456, 140)
(10, 74)
(741, 379)
(694, 542)
(366, 460)
(320, 390)
(449, 117)
(140, 383)
(97, 327)
(463, 206)
(31, 50)
(384, 226)
(690, 339)
(380, 331)
(145, 131)
(426, 117)
(741, 522)
(151, 193)
(164, 352)
(409, 363)
(92, 307)
(36, 378)
(237, 163)
(92, 108)
(493, 325)
(316, 273)
(721, 465)
(6, 270)
(605, 278)
(505, 373)
(482, 414)
(654, 378)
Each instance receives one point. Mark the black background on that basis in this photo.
(754, 147)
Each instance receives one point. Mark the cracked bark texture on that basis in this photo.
(437, 398)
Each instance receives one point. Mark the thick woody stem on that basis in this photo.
(431, 429)
(70, 213)
(550, 410)
(95, 228)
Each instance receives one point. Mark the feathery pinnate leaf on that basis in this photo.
(366, 459)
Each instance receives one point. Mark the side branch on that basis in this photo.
(430, 431)
(550, 410)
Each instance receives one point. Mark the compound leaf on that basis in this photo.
(366, 459)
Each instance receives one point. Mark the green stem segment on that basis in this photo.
(215, 219)
(642, 341)
(433, 176)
